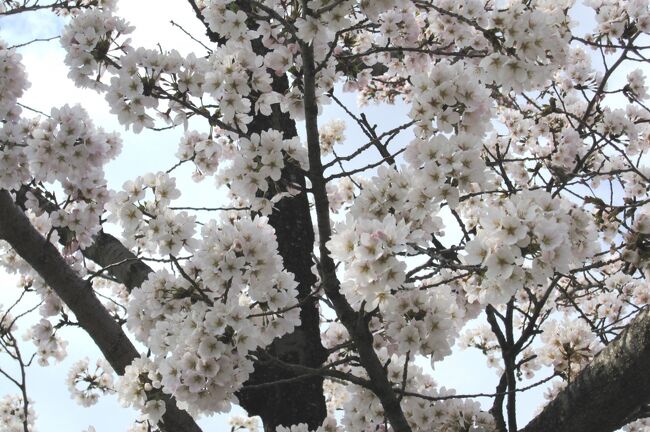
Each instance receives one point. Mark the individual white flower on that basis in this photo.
(87, 385)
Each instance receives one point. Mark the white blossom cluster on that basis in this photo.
(613, 16)
(137, 384)
(636, 82)
(142, 425)
(143, 79)
(482, 338)
(43, 334)
(523, 240)
(569, 148)
(225, 21)
(569, 345)
(329, 425)
(14, 166)
(423, 322)
(257, 162)
(13, 84)
(331, 133)
(368, 248)
(540, 40)
(86, 385)
(401, 25)
(94, 45)
(617, 122)
(141, 208)
(442, 168)
(450, 95)
(12, 414)
(641, 425)
(66, 148)
(204, 151)
(7, 322)
(130, 93)
(610, 304)
(363, 411)
(618, 296)
(384, 220)
(232, 298)
(232, 76)
(88, 40)
(48, 343)
(233, 73)
(516, 59)
(579, 71)
(340, 193)
(239, 423)
(373, 9)
(13, 162)
(382, 195)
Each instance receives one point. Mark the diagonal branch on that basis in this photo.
(106, 250)
(611, 388)
(78, 295)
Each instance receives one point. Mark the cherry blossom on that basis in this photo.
(506, 210)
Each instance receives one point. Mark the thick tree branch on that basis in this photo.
(106, 251)
(611, 388)
(78, 295)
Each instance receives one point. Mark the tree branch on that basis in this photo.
(611, 388)
(78, 295)
(106, 251)
(355, 322)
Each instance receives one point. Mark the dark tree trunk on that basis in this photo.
(299, 401)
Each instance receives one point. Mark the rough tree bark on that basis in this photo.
(301, 401)
(607, 391)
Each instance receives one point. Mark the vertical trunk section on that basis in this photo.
(300, 401)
